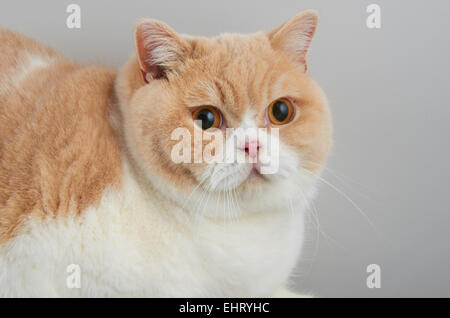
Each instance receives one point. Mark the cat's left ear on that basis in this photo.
(159, 49)
(294, 37)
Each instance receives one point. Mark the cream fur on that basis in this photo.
(137, 244)
(86, 176)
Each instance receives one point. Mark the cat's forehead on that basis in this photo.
(239, 74)
(232, 51)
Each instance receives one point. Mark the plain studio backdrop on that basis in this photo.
(386, 196)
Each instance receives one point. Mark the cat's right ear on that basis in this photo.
(294, 37)
(159, 48)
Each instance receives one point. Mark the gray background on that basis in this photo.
(389, 95)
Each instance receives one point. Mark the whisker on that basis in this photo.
(343, 179)
(192, 192)
(235, 204)
(348, 199)
(315, 215)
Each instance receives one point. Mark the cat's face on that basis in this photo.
(255, 84)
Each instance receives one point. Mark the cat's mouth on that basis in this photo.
(255, 173)
(232, 176)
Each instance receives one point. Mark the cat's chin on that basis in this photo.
(254, 176)
(252, 192)
(256, 194)
(254, 181)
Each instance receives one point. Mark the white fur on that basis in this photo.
(137, 244)
(32, 63)
(12, 78)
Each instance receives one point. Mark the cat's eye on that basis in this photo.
(209, 116)
(280, 111)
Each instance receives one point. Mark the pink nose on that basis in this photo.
(252, 148)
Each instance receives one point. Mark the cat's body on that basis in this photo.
(128, 247)
(76, 189)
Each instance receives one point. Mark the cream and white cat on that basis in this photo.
(87, 176)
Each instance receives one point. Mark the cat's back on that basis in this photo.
(21, 61)
(58, 150)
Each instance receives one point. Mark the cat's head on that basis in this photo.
(230, 81)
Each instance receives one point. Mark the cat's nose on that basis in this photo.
(252, 148)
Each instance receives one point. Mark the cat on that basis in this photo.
(87, 177)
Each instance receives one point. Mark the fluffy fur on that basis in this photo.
(86, 175)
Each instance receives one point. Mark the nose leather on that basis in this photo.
(252, 148)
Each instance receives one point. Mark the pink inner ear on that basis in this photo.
(300, 37)
(159, 48)
(295, 36)
(145, 50)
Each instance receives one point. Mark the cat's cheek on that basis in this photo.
(281, 163)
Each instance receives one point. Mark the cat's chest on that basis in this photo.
(156, 253)
(240, 257)
(127, 246)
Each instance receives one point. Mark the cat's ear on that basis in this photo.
(159, 48)
(294, 37)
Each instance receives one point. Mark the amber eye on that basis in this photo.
(280, 111)
(209, 116)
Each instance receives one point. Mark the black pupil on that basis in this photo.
(280, 110)
(207, 117)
